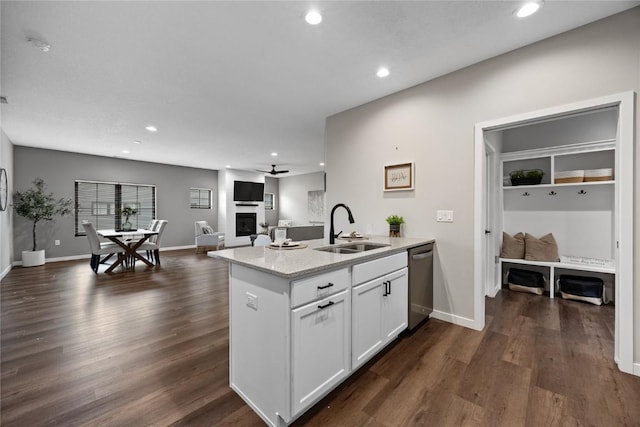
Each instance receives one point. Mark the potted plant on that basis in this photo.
(265, 227)
(126, 212)
(526, 177)
(394, 222)
(36, 205)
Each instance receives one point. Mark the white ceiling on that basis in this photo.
(230, 82)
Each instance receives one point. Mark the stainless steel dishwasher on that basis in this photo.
(420, 283)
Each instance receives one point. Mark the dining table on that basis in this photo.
(129, 241)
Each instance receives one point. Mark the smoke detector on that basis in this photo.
(43, 46)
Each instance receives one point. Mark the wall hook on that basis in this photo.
(553, 193)
(582, 192)
(526, 194)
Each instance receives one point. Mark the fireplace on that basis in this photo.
(245, 224)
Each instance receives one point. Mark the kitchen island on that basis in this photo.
(302, 320)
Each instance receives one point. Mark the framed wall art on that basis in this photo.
(398, 177)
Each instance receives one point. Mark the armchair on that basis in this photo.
(206, 238)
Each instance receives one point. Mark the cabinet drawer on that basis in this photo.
(378, 267)
(318, 286)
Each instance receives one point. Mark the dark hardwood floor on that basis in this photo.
(150, 347)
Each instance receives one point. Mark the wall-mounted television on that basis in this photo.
(244, 191)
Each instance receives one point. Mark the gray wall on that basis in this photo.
(272, 185)
(60, 170)
(6, 217)
(294, 196)
(433, 125)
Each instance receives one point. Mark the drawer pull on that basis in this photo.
(330, 303)
(387, 288)
(326, 286)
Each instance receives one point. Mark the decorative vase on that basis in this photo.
(394, 230)
(126, 226)
(32, 258)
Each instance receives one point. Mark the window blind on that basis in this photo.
(200, 198)
(100, 202)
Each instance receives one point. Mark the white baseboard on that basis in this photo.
(87, 256)
(493, 292)
(636, 369)
(177, 248)
(452, 318)
(5, 272)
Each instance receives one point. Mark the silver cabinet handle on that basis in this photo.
(422, 256)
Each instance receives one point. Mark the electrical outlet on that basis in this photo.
(57, 242)
(252, 301)
(444, 216)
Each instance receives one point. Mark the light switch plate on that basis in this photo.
(444, 216)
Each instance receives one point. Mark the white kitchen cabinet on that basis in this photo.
(379, 314)
(290, 340)
(320, 348)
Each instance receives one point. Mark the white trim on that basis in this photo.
(624, 334)
(493, 291)
(636, 369)
(456, 320)
(479, 290)
(5, 272)
(88, 255)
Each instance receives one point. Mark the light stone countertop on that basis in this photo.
(292, 263)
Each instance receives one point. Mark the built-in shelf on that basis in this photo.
(553, 266)
(566, 265)
(247, 204)
(569, 184)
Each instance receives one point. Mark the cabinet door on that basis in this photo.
(320, 348)
(366, 332)
(394, 304)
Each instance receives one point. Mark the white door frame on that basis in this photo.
(624, 283)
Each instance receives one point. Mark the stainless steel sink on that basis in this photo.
(352, 248)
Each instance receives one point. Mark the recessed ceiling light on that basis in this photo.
(227, 166)
(382, 72)
(321, 163)
(137, 141)
(151, 128)
(125, 151)
(528, 9)
(313, 17)
(274, 154)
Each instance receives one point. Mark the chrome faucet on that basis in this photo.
(332, 236)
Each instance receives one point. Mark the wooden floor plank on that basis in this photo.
(151, 347)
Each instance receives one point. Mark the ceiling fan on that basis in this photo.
(273, 171)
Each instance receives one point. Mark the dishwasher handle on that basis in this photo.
(421, 256)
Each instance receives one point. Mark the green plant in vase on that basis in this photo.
(36, 205)
(394, 222)
(127, 212)
(526, 177)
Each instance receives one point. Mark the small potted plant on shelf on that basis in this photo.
(36, 205)
(126, 212)
(265, 227)
(394, 222)
(526, 177)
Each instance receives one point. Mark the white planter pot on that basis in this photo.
(32, 258)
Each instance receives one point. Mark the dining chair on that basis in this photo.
(152, 245)
(98, 248)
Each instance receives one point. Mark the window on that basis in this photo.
(200, 198)
(100, 204)
(269, 201)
